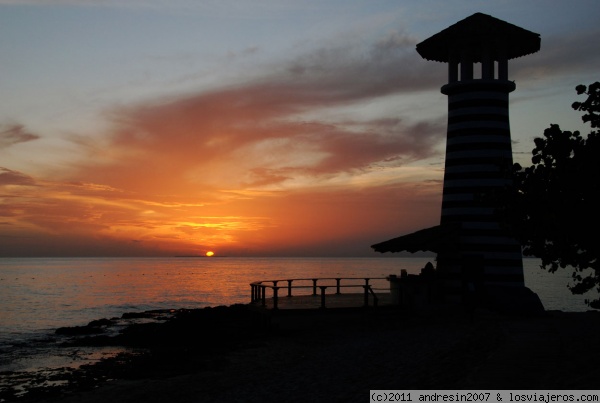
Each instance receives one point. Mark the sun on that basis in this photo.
(210, 253)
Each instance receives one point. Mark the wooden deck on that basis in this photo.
(332, 301)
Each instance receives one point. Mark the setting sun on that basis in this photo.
(210, 253)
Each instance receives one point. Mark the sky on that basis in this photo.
(254, 128)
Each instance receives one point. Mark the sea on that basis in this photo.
(39, 295)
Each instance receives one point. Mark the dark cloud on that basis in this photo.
(14, 134)
(352, 73)
(10, 177)
(575, 53)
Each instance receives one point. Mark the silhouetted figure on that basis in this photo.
(428, 270)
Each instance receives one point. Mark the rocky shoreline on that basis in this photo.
(155, 342)
(239, 353)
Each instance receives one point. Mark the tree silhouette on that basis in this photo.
(555, 207)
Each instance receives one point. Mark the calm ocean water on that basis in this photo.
(38, 295)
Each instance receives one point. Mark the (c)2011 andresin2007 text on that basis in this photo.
(377, 396)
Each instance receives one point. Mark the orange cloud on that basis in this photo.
(249, 169)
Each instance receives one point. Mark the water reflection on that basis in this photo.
(49, 293)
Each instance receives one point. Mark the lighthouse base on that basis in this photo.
(428, 289)
(512, 300)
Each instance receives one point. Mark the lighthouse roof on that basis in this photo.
(479, 32)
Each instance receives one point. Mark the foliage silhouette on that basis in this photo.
(554, 209)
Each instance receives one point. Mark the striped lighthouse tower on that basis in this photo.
(478, 150)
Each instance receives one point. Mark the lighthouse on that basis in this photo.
(475, 251)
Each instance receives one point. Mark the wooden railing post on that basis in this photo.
(323, 288)
(337, 286)
(314, 286)
(375, 299)
(275, 299)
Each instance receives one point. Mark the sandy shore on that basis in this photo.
(340, 356)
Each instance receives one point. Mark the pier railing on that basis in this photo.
(319, 286)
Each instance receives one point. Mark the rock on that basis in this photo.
(138, 315)
(94, 327)
(92, 341)
(79, 330)
(101, 322)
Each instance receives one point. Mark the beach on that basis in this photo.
(237, 353)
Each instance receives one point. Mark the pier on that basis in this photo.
(320, 293)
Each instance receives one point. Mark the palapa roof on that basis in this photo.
(434, 239)
(477, 32)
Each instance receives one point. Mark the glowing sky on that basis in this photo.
(260, 127)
